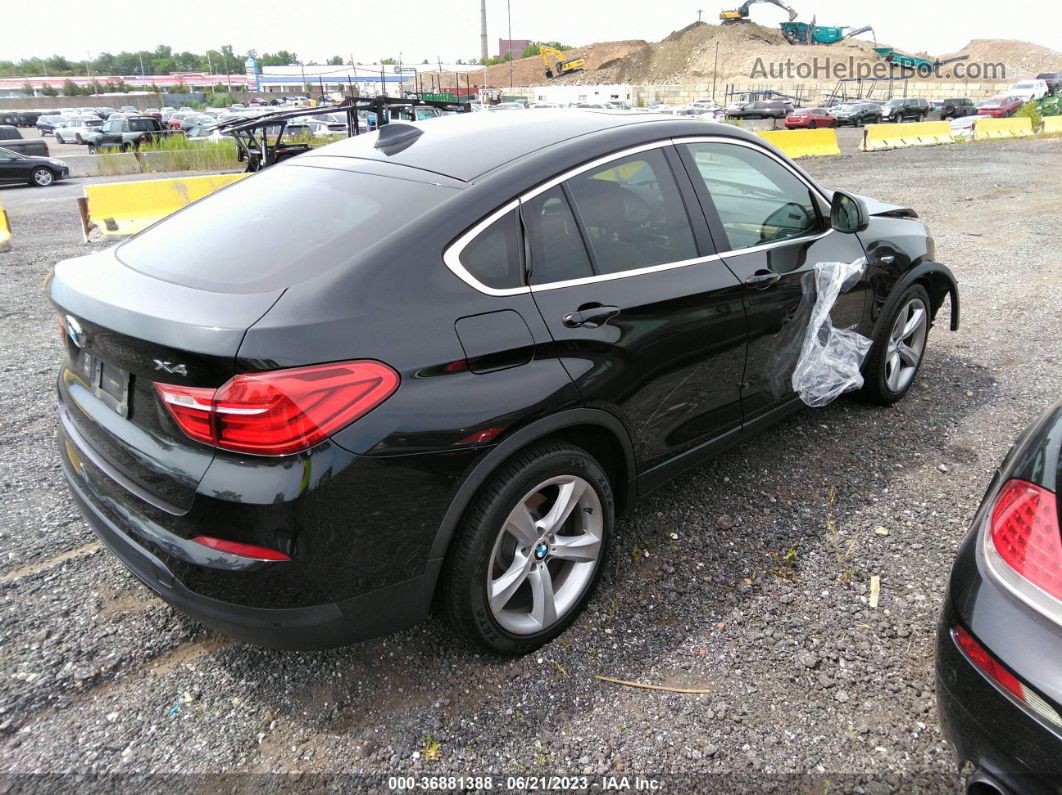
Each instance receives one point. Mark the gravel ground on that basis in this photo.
(748, 577)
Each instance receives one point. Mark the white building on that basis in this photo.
(369, 79)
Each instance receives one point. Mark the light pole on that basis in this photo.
(509, 49)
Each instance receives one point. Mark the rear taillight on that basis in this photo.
(282, 411)
(994, 670)
(1025, 534)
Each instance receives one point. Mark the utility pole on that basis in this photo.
(715, 72)
(509, 9)
(210, 65)
(484, 53)
(699, 12)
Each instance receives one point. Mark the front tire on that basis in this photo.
(42, 177)
(899, 349)
(530, 550)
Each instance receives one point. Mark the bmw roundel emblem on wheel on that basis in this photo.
(449, 358)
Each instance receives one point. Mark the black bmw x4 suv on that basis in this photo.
(431, 364)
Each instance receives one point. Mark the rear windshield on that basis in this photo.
(284, 225)
(141, 125)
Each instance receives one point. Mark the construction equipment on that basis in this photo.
(805, 33)
(905, 61)
(741, 13)
(563, 66)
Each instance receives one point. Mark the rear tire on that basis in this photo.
(898, 350)
(515, 577)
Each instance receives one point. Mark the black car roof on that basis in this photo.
(466, 145)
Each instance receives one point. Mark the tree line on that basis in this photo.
(163, 60)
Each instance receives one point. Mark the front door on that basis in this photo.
(772, 227)
(646, 320)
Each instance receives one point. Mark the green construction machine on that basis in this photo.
(905, 61)
(810, 33)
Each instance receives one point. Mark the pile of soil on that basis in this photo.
(689, 56)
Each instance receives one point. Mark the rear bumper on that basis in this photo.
(315, 627)
(988, 729)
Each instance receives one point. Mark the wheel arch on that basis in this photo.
(599, 432)
(939, 283)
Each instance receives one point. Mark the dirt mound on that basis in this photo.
(1021, 58)
(530, 71)
(689, 56)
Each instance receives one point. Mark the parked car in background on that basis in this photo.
(772, 109)
(130, 109)
(1000, 107)
(956, 107)
(905, 109)
(74, 132)
(999, 642)
(46, 124)
(810, 118)
(324, 129)
(1053, 80)
(103, 112)
(11, 138)
(528, 290)
(154, 113)
(28, 118)
(196, 120)
(175, 120)
(1028, 90)
(126, 134)
(206, 134)
(856, 113)
(38, 171)
(963, 126)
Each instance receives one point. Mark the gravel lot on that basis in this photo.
(748, 577)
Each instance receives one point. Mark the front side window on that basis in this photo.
(495, 256)
(632, 213)
(757, 199)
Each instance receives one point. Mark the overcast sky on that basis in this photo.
(420, 29)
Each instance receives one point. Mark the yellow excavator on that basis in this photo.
(741, 13)
(562, 66)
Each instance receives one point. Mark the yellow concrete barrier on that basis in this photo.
(802, 143)
(895, 136)
(1052, 124)
(119, 209)
(5, 231)
(987, 127)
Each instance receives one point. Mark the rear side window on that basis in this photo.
(557, 250)
(279, 227)
(495, 255)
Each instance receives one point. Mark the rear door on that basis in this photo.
(646, 319)
(772, 227)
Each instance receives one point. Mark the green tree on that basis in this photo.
(388, 61)
(48, 91)
(335, 60)
(70, 88)
(27, 89)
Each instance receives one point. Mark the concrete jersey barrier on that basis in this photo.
(1052, 124)
(987, 128)
(120, 209)
(803, 143)
(896, 136)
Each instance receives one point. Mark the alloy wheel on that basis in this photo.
(545, 555)
(43, 177)
(907, 342)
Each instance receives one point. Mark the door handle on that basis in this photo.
(590, 316)
(762, 279)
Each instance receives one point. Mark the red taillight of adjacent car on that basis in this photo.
(994, 670)
(282, 411)
(1024, 531)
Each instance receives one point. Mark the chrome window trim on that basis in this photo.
(452, 254)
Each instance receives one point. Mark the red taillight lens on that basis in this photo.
(283, 411)
(1025, 533)
(243, 550)
(980, 657)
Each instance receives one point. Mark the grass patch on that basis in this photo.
(177, 153)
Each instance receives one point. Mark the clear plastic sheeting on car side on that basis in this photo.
(831, 358)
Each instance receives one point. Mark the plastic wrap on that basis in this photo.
(830, 358)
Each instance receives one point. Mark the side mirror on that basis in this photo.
(848, 214)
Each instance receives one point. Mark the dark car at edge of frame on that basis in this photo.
(999, 644)
(434, 363)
